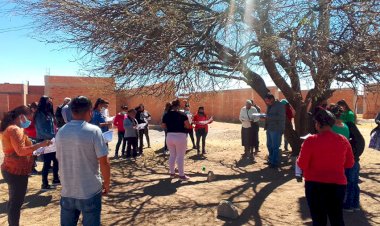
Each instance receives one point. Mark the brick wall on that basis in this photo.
(153, 104)
(59, 87)
(4, 104)
(225, 105)
(371, 101)
(34, 93)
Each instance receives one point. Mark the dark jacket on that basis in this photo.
(275, 118)
(356, 140)
(44, 126)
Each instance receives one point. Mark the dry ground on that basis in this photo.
(142, 194)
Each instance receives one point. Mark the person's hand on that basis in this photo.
(106, 189)
(46, 143)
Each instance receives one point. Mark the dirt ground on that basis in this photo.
(142, 193)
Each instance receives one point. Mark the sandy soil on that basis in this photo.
(142, 194)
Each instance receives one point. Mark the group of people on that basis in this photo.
(329, 159)
(132, 125)
(75, 129)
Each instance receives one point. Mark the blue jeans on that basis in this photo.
(273, 145)
(71, 209)
(353, 191)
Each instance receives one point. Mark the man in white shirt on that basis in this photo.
(249, 131)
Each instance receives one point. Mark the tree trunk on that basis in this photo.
(301, 128)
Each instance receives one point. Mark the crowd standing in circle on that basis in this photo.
(81, 165)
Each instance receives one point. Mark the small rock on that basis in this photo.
(210, 176)
(228, 210)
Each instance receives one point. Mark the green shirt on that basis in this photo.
(347, 116)
(342, 130)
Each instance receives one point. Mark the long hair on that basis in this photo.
(12, 115)
(97, 103)
(44, 106)
(343, 103)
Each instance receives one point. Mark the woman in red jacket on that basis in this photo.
(118, 122)
(201, 122)
(323, 160)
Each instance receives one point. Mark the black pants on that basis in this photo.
(48, 158)
(325, 200)
(131, 145)
(191, 134)
(141, 137)
(201, 133)
(17, 186)
(255, 134)
(120, 138)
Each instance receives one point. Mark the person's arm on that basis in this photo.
(16, 136)
(350, 117)
(116, 121)
(101, 151)
(349, 162)
(305, 154)
(187, 124)
(243, 115)
(64, 113)
(105, 170)
(377, 119)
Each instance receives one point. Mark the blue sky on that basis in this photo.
(23, 58)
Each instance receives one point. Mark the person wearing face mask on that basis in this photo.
(44, 119)
(31, 131)
(118, 122)
(85, 168)
(98, 118)
(201, 122)
(18, 159)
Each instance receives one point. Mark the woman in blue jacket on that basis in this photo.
(44, 120)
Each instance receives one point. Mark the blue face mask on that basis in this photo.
(25, 124)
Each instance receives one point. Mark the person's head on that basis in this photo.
(269, 99)
(33, 106)
(344, 105)
(201, 110)
(141, 107)
(132, 113)
(324, 120)
(187, 107)
(168, 106)
(81, 108)
(98, 104)
(124, 109)
(336, 110)
(248, 104)
(17, 116)
(324, 103)
(45, 105)
(66, 100)
(176, 105)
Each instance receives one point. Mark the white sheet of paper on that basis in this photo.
(141, 126)
(108, 136)
(306, 136)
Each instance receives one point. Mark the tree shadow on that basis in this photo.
(31, 201)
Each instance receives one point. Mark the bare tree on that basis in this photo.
(200, 44)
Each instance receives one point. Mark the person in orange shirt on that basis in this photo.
(18, 160)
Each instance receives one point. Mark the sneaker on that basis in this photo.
(46, 187)
(56, 182)
(184, 178)
(172, 176)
